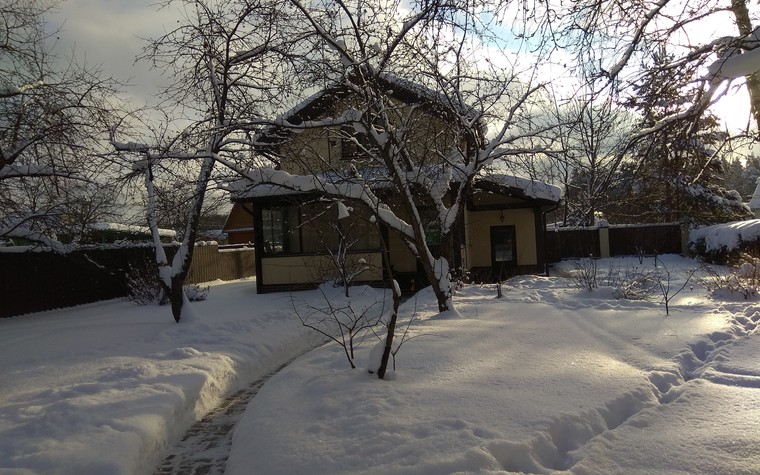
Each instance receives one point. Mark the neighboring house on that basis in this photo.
(239, 224)
(754, 203)
(296, 235)
(111, 232)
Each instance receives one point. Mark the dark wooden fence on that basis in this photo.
(37, 281)
(645, 238)
(615, 240)
(566, 243)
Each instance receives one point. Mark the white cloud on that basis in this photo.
(108, 34)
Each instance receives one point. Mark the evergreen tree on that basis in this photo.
(678, 173)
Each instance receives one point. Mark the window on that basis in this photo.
(353, 144)
(503, 246)
(321, 230)
(274, 227)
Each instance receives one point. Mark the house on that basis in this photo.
(754, 203)
(239, 224)
(113, 232)
(303, 239)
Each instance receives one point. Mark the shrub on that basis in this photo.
(144, 286)
(743, 278)
(196, 292)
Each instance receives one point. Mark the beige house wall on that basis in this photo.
(315, 269)
(478, 235)
(318, 150)
(402, 260)
(311, 151)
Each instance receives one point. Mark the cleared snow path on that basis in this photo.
(204, 449)
(564, 442)
(110, 387)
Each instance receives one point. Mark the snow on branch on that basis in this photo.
(23, 232)
(131, 147)
(651, 14)
(736, 65)
(18, 171)
(11, 91)
(353, 189)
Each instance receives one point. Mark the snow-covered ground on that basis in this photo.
(105, 388)
(547, 378)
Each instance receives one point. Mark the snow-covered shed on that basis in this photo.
(298, 233)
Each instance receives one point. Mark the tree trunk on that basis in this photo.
(394, 316)
(181, 269)
(391, 332)
(176, 296)
(744, 23)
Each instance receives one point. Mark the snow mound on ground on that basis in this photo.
(107, 387)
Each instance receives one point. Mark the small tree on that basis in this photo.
(664, 280)
(340, 322)
(339, 237)
(228, 64)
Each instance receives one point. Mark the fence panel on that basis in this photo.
(646, 239)
(212, 262)
(622, 240)
(36, 281)
(567, 243)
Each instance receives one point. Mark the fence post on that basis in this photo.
(604, 239)
(685, 251)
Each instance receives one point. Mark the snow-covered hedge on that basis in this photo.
(723, 242)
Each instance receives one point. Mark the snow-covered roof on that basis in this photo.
(244, 189)
(377, 178)
(130, 228)
(530, 188)
(408, 91)
(402, 85)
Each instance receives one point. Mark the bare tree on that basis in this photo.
(428, 169)
(591, 133)
(230, 63)
(53, 115)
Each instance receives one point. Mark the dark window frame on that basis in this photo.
(499, 266)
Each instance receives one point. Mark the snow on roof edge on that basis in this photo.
(531, 188)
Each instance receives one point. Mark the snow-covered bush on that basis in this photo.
(145, 288)
(726, 243)
(196, 292)
(727, 282)
(586, 273)
(633, 282)
(629, 282)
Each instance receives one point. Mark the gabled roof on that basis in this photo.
(403, 90)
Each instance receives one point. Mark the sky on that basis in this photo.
(110, 33)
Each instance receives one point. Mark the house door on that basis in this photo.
(503, 251)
